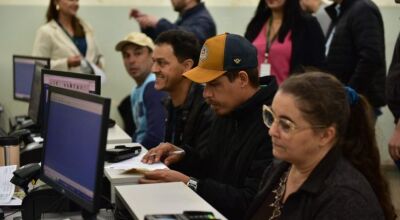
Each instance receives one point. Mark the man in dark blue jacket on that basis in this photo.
(193, 17)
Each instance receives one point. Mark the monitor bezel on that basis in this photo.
(96, 78)
(88, 206)
(38, 106)
(46, 59)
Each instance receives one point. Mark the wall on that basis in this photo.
(19, 21)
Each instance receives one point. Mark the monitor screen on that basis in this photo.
(74, 145)
(68, 80)
(23, 71)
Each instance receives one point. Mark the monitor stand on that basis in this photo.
(86, 215)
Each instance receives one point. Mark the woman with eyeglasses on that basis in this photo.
(328, 163)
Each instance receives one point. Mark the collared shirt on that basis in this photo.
(332, 32)
(334, 190)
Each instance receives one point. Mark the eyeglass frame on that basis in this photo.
(292, 126)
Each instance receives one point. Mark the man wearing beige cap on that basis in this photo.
(147, 111)
(239, 147)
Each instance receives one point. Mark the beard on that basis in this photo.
(179, 6)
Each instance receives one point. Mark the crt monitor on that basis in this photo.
(73, 81)
(23, 71)
(74, 145)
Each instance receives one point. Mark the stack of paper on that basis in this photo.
(6, 187)
(135, 165)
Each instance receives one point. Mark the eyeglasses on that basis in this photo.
(284, 124)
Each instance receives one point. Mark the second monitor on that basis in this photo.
(68, 80)
(23, 73)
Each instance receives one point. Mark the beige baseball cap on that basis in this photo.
(135, 38)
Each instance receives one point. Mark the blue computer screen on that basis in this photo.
(68, 80)
(23, 79)
(24, 68)
(72, 144)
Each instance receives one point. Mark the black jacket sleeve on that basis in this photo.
(232, 200)
(367, 32)
(308, 45)
(316, 42)
(393, 83)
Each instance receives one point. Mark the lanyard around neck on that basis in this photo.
(269, 39)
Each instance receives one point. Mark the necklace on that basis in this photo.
(279, 192)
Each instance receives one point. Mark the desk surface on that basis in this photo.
(117, 135)
(116, 176)
(162, 198)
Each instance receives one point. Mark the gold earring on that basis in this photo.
(57, 7)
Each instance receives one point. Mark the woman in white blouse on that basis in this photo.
(67, 39)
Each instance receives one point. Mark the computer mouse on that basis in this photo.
(111, 123)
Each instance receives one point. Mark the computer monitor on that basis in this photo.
(73, 81)
(23, 71)
(34, 102)
(74, 145)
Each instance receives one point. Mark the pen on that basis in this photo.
(176, 152)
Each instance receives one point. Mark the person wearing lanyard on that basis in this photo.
(287, 39)
(66, 39)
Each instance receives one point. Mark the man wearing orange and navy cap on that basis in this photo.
(239, 148)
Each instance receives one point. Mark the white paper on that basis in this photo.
(135, 162)
(6, 187)
(13, 202)
(38, 139)
(98, 72)
(265, 69)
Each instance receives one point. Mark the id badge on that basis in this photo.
(265, 69)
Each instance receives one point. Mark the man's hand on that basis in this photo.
(135, 13)
(147, 21)
(394, 143)
(165, 152)
(160, 176)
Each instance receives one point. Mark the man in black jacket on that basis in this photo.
(239, 147)
(355, 48)
(188, 115)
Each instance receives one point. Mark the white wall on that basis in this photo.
(19, 21)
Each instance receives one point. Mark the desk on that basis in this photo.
(162, 198)
(116, 177)
(117, 135)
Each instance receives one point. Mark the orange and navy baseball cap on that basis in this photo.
(221, 54)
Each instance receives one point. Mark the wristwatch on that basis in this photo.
(192, 183)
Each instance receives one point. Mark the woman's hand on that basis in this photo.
(74, 61)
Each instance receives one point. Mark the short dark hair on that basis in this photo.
(185, 44)
(252, 73)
